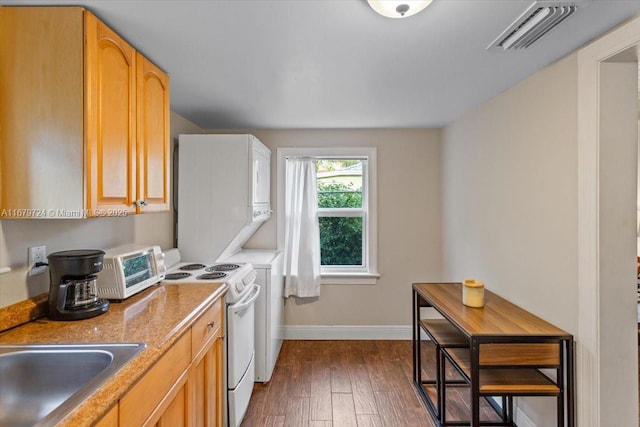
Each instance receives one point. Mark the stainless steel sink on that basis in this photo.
(40, 384)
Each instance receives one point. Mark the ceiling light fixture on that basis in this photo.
(398, 8)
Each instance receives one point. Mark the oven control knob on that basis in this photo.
(239, 287)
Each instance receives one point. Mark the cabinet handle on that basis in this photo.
(211, 324)
(141, 203)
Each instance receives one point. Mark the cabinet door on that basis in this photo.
(153, 137)
(176, 413)
(110, 419)
(110, 122)
(41, 110)
(147, 401)
(207, 387)
(217, 386)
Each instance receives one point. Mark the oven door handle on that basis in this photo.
(246, 301)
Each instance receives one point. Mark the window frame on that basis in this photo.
(368, 273)
(361, 212)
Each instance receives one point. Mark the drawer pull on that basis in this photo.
(211, 324)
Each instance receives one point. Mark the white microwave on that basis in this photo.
(130, 269)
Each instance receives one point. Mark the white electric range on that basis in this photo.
(240, 335)
(239, 276)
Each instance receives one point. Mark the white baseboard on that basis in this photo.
(346, 332)
(521, 419)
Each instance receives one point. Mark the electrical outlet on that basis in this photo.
(37, 255)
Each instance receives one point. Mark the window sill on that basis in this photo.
(349, 278)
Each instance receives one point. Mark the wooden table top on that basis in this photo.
(497, 317)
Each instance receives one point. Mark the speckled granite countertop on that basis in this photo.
(157, 317)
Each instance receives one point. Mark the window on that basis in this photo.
(346, 211)
(340, 212)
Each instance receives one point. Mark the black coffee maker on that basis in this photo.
(73, 291)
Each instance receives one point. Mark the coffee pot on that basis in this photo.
(73, 290)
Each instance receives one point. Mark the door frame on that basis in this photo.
(588, 357)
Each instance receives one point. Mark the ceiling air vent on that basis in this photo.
(534, 23)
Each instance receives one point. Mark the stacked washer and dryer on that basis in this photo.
(223, 198)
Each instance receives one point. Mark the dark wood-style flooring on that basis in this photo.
(344, 384)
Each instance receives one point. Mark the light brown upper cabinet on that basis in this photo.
(84, 119)
(153, 136)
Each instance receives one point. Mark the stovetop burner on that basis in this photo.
(177, 276)
(211, 276)
(223, 267)
(190, 267)
(239, 276)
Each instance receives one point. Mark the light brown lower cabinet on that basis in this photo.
(206, 377)
(110, 419)
(175, 412)
(184, 388)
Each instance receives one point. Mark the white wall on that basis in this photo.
(409, 237)
(16, 235)
(510, 200)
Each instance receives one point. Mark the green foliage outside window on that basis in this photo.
(340, 237)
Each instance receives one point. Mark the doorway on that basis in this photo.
(607, 137)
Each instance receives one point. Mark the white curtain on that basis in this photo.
(302, 235)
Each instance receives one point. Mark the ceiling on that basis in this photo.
(287, 64)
